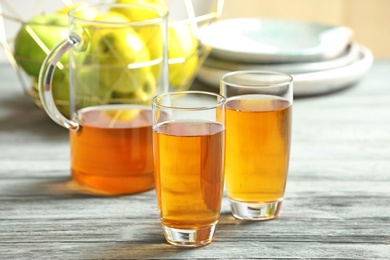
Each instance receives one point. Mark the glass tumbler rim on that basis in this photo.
(220, 101)
(288, 78)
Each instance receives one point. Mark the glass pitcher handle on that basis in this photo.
(46, 77)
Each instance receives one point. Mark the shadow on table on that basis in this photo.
(152, 246)
(228, 222)
(65, 186)
(52, 187)
(20, 114)
(147, 244)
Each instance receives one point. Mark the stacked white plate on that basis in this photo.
(321, 58)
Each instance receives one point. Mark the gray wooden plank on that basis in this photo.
(337, 202)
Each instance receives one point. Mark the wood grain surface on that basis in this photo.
(337, 203)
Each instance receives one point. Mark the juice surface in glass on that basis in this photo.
(113, 152)
(189, 175)
(257, 147)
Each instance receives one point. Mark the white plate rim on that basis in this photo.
(313, 83)
(217, 41)
(346, 58)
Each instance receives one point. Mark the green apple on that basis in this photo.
(87, 14)
(150, 34)
(60, 91)
(36, 38)
(118, 52)
(148, 90)
(182, 44)
(87, 88)
(183, 55)
(66, 9)
(139, 15)
(142, 95)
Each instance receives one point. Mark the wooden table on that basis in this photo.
(337, 200)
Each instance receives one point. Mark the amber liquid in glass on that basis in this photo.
(189, 160)
(112, 152)
(258, 130)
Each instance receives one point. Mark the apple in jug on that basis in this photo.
(118, 54)
(182, 53)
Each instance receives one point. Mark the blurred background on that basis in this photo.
(369, 19)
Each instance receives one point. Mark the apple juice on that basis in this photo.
(112, 152)
(189, 161)
(258, 130)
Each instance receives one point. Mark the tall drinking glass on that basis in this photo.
(188, 143)
(258, 134)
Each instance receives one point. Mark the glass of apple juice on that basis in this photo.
(258, 137)
(189, 152)
(117, 59)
